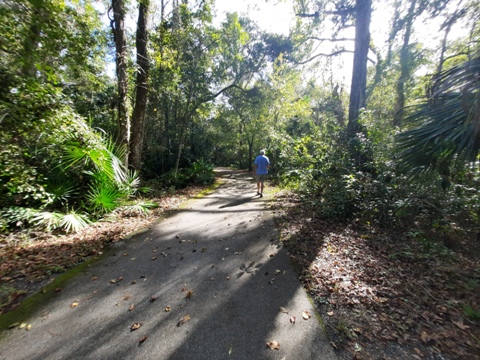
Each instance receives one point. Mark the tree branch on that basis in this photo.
(231, 86)
(335, 53)
(327, 39)
(316, 14)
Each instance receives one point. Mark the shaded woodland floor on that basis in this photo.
(381, 295)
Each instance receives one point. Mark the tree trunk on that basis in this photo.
(183, 133)
(405, 67)
(443, 49)
(141, 95)
(359, 77)
(250, 153)
(118, 27)
(30, 43)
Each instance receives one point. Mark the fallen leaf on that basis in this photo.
(153, 298)
(277, 271)
(293, 319)
(58, 289)
(117, 280)
(142, 340)
(306, 315)
(330, 313)
(283, 310)
(183, 320)
(461, 325)
(135, 326)
(29, 326)
(230, 351)
(154, 258)
(424, 336)
(189, 294)
(74, 304)
(132, 307)
(274, 345)
(168, 308)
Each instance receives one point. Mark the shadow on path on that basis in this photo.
(222, 271)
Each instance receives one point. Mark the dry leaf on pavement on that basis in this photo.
(306, 315)
(135, 326)
(274, 345)
(142, 340)
(183, 320)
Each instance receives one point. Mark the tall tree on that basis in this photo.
(342, 14)
(405, 66)
(360, 57)
(141, 94)
(121, 58)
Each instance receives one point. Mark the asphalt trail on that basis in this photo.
(210, 281)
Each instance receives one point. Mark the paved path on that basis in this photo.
(216, 263)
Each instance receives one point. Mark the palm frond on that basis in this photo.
(73, 222)
(446, 125)
(139, 208)
(130, 186)
(103, 198)
(61, 189)
(48, 220)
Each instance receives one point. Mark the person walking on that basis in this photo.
(260, 168)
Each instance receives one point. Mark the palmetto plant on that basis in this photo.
(446, 123)
(103, 197)
(108, 180)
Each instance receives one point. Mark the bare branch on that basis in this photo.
(231, 86)
(335, 53)
(316, 14)
(330, 39)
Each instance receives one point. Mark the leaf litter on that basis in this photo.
(379, 294)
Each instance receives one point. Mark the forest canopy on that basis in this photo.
(390, 138)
